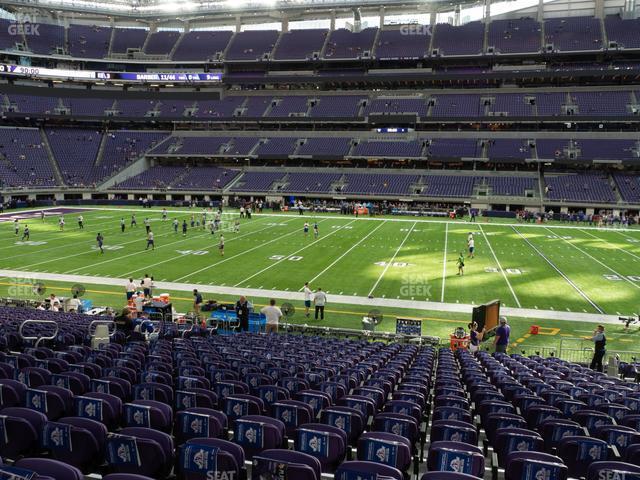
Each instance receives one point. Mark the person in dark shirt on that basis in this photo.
(475, 337)
(242, 311)
(124, 322)
(501, 341)
(600, 348)
(197, 302)
(100, 242)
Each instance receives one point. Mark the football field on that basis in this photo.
(564, 278)
(556, 268)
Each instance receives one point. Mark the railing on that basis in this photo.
(109, 323)
(38, 339)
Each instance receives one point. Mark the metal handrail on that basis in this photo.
(38, 339)
(98, 322)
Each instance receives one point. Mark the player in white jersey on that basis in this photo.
(61, 223)
(150, 241)
(308, 296)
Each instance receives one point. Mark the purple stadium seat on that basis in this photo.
(579, 452)
(196, 422)
(148, 414)
(23, 428)
(456, 457)
(154, 456)
(599, 470)
(446, 476)
(351, 469)
(50, 468)
(453, 431)
(87, 441)
(298, 465)
(125, 476)
(328, 444)
(229, 458)
(530, 465)
(508, 440)
(346, 418)
(619, 436)
(386, 448)
(256, 433)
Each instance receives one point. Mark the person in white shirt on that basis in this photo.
(146, 286)
(319, 300)
(273, 314)
(139, 302)
(73, 304)
(54, 302)
(150, 241)
(130, 288)
(308, 294)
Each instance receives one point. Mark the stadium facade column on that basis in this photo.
(487, 10)
(381, 17)
(599, 9)
(629, 9)
(285, 24)
(333, 20)
(541, 14)
(238, 23)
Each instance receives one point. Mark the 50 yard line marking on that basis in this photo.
(226, 259)
(504, 274)
(395, 254)
(567, 279)
(444, 260)
(344, 254)
(171, 259)
(294, 253)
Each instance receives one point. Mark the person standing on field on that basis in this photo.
(308, 295)
(319, 300)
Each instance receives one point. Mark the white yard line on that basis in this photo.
(614, 246)
(142, 241)
(171, 259)
(444, 260)
(395, 254)
(261, 245)
(294, 253)
(553, 265)
(504, 274)
(635, 285)
(344, 254)
(50, 238)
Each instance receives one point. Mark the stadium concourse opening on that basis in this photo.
(365, 243)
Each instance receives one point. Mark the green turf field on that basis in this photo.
(396, 260)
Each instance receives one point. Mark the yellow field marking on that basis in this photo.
(548, 331)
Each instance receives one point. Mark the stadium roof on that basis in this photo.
(164, 9)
